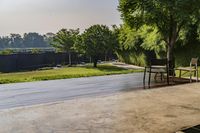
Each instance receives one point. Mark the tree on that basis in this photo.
(65, 40)
(96, 41)
(33, 40)
(5, 42)
(6, 52)
(168, 16)
(16, 41)
(137, 46)
(29, 40)
(48, 37)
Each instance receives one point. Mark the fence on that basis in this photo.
(27, 61)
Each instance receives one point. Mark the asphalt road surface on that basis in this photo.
(32, 93)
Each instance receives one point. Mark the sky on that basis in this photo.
(43, 16)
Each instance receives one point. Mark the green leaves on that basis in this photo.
(97, 40)
(145, 38)
(164, 14)
(65, 39)
(152, 40)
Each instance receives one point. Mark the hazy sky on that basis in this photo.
(20, 16)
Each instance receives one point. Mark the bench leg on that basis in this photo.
(161, 76)
(173, 75)
(149, 79)
(190, 77)
(144, 78)
(168, 78)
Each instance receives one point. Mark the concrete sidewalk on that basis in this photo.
(161, 110)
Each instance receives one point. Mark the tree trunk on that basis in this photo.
(169, 53)
(90, 59)
(95, 62)
(70, 61)
(171, 58)
(106, 55)
(173, 34)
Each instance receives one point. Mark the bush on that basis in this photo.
(6, 52)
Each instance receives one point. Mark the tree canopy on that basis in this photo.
(28, 40)
(34, 40)
(96, 41)
(169, 17)
(65, 40)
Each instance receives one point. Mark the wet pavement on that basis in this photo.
(26, 94)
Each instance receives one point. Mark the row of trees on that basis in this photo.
(150, 29)
(94, 42)
(28, 40)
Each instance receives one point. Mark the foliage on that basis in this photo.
(48, 37)
(78, 46)
(136, 46)
(163, 14)
(132, 58)
(34, 40)
(188, 47)
(29, 40)
(35, 51)
(16, 40)
(5, 42)
(144, 38)
(65, 41)
(62, 73)
(97, 40)
(6, 52)
(151, 40)
(130, 50)
(169, 17)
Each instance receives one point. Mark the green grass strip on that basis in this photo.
(62, 73)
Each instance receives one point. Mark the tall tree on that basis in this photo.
(16, 41)
(5, 42)
(33, 40)
(48, 37)
(65, 40)
(168, 16)
(97, 40)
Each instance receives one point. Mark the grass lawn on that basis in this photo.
(62, 73)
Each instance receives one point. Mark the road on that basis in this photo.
(32, 93)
